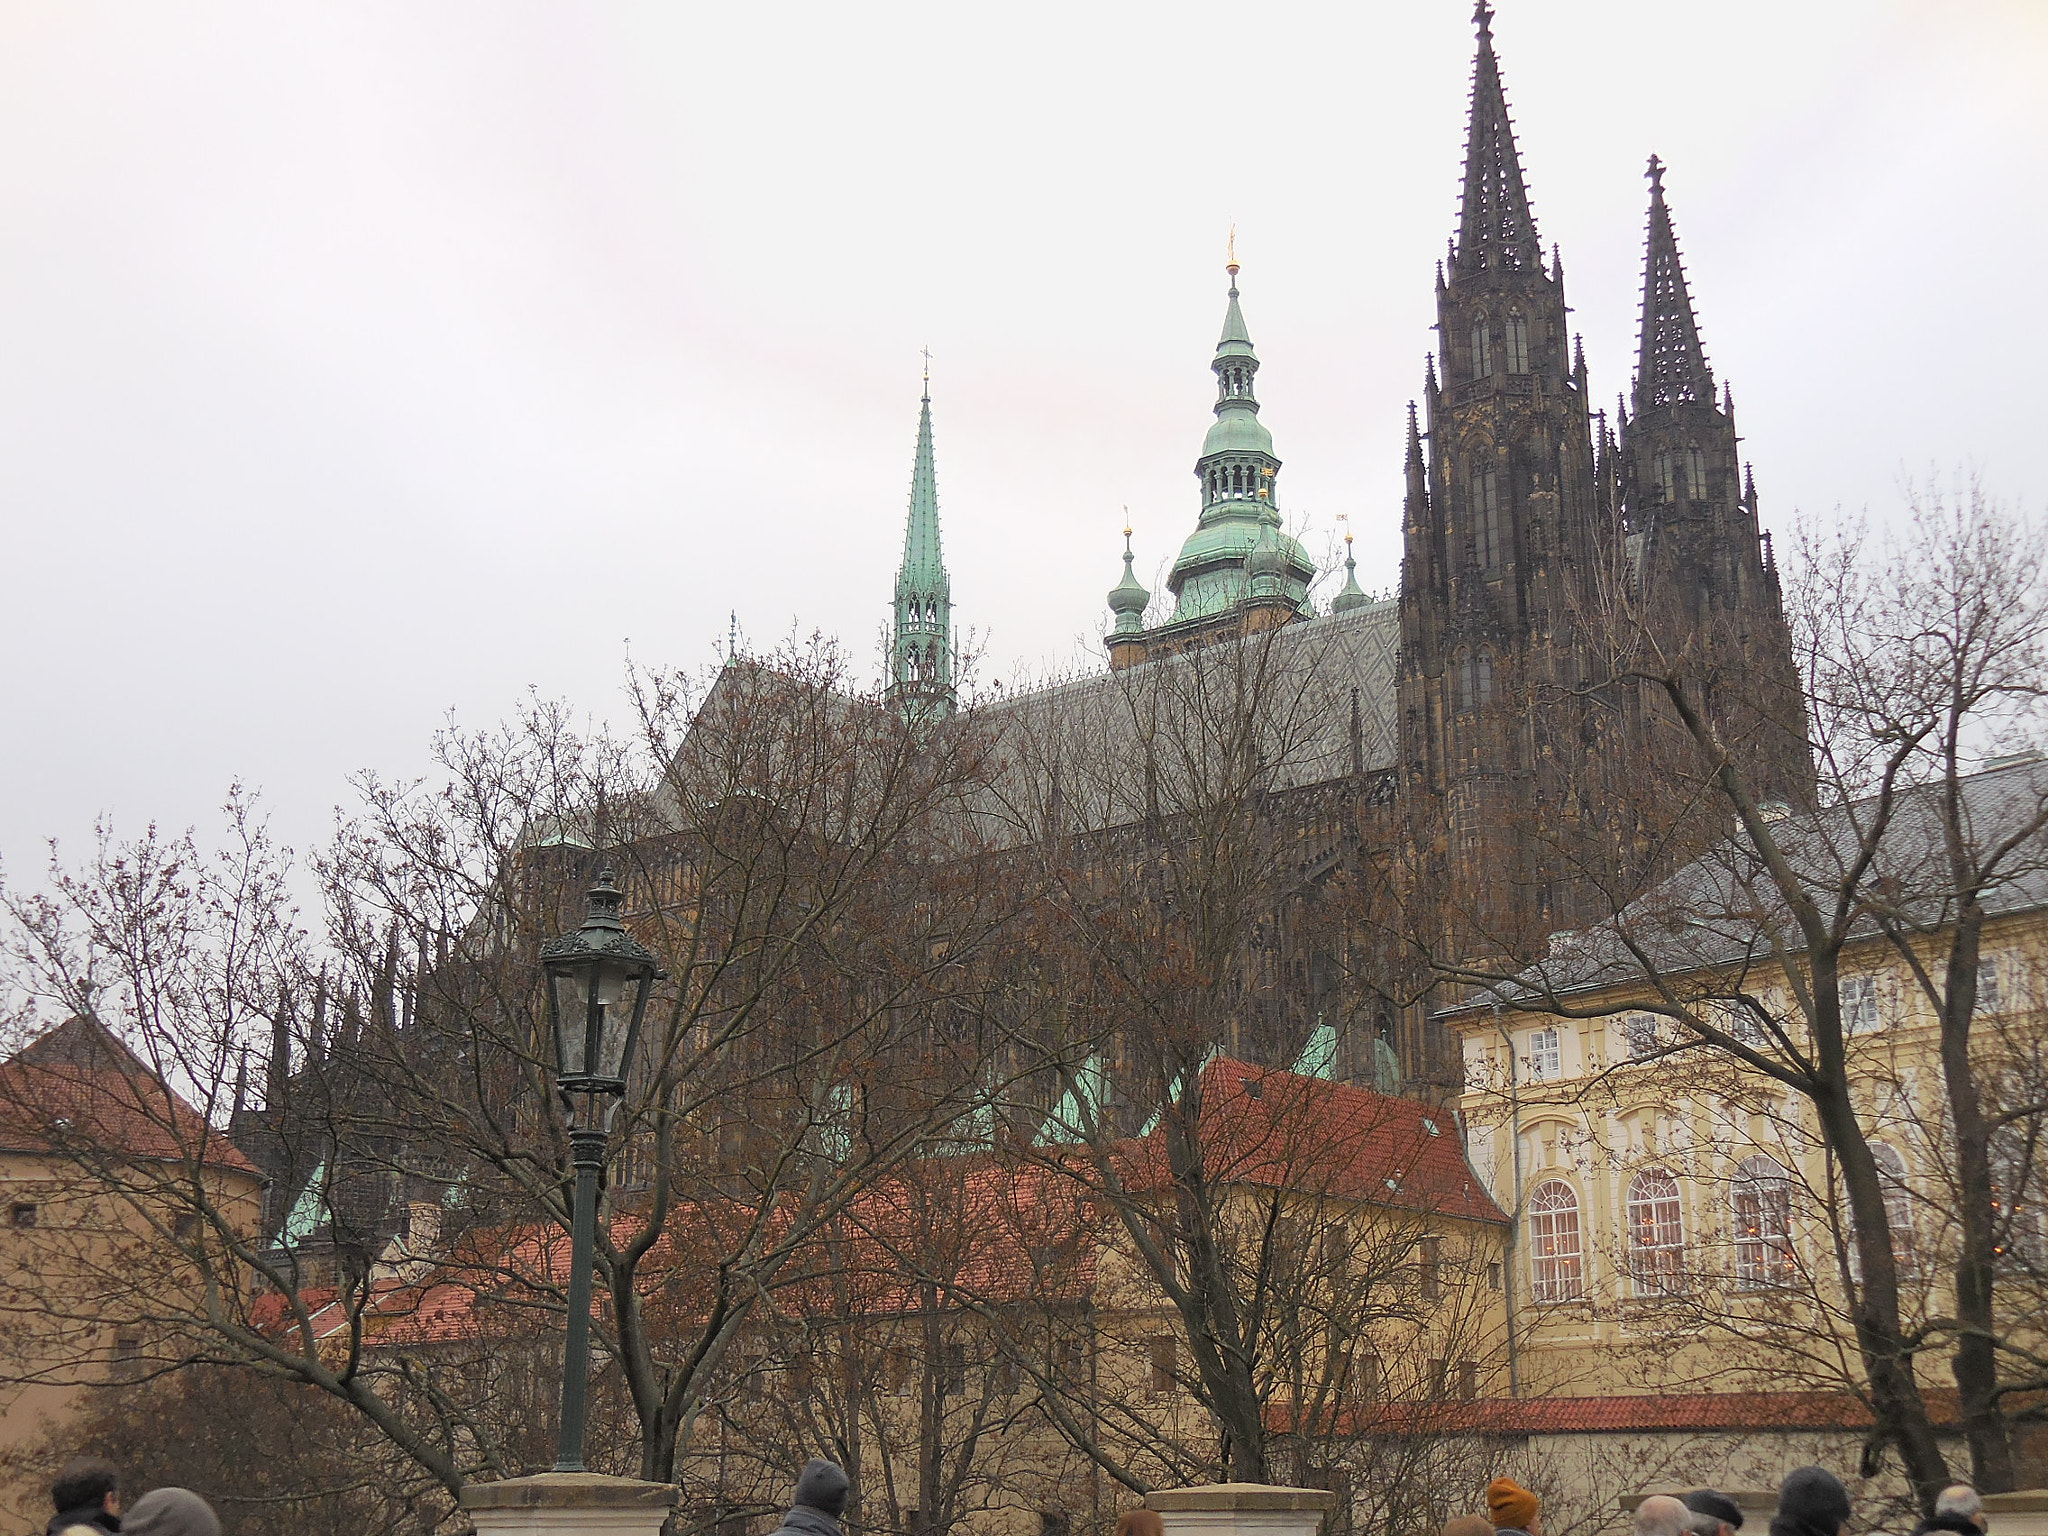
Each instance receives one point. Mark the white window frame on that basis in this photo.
(1546, 1044)
(1655, 1211)
(1557, 1244)
(1862, 1005)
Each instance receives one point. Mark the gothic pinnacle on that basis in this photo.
(1496, 227)
(1671, 367)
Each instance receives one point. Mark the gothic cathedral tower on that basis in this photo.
(1504, 542)
(1699, 563)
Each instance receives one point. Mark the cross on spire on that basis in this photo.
(1671, 368)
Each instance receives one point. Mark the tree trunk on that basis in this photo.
(1976, 1357)
(1895, 1392)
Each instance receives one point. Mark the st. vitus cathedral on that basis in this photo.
(1483, 736)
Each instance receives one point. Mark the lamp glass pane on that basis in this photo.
(566, 1001)
(613, 982)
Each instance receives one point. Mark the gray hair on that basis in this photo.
(1662, 1515)
(1960, 1500)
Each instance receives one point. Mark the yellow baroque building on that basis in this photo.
(1679, 1229)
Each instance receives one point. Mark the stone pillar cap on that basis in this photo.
(569, 1490)
(1239, 1496)
(2016, 1501)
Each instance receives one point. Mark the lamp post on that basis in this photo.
(598, 980)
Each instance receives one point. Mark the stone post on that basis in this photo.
(2017, 1514)
(569, 1504)
(1241, 1509)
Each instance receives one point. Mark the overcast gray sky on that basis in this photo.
(362, 362)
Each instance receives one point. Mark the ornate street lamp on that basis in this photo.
(598, 981)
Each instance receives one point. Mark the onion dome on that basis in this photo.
(1127, 599)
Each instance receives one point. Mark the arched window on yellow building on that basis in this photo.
(1557, 1255)
(1763, 1224)
(1656, 1234)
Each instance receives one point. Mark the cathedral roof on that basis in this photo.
(1091, 739)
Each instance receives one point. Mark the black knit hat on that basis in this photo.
(1711, 1501)
(1812, 1499)
(822, 1486)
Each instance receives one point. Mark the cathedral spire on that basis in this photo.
(1671, 368)
(921, 654)
(1496, 228)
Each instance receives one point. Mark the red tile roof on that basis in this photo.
(1282, 1130)
(1000, 1226)
(1671, 1412)
(77, 1088)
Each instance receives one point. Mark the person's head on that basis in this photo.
(1468, 1525)
(1713, 1513)
(1813, 1497)
(1661, 1515)
(171, 1512)
(1512, 1507)
(87, 1482)
(1145, 1522)
(1960, 1501)
(822, 1486)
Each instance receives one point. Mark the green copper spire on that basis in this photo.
(1239, 475)
(921, 656)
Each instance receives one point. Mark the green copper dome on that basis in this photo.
(1238, 431)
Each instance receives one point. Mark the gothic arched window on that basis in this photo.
(1693, 479)
(1517, 343)
(1482, 678)
(1662, 465)
(1656, 1234)
(1482, 350)
(1557, 1256)
(1763, 1223)
(1486, 519)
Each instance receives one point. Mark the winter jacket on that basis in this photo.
(1963, 1525)
(89, 1516)
(802, 1520)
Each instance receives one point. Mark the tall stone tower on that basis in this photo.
(1700, 562)
(1504, 540)
(921, 655)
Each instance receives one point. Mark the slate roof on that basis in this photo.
(1723, 909)
(1089, 735)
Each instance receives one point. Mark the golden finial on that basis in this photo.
(1230, 251)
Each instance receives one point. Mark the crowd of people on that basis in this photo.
(1811, 1502)
(87, 1493)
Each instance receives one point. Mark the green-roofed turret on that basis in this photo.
(1239, 476)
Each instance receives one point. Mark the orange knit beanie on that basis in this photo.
(1510, 1505)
